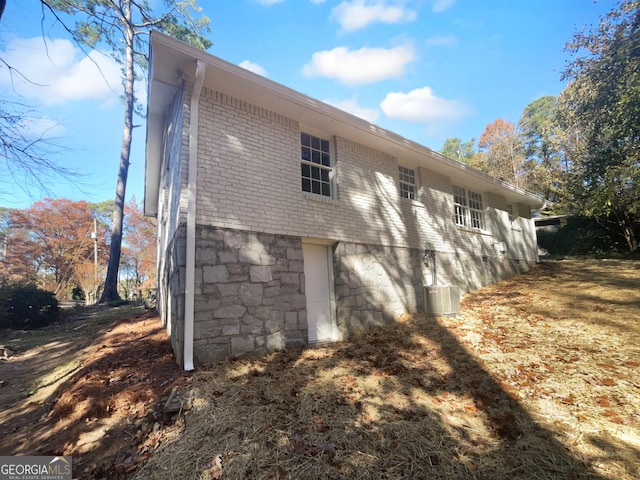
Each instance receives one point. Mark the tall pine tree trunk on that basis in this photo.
(110, 291)
(112, 23)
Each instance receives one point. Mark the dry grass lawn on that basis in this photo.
(538, 378)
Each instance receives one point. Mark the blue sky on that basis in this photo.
(425, 69)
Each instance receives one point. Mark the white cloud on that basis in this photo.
(58, 72)
(253, 67)
(357, 67)
(353, 107)
(357, 14)
(441, 5)
(43, 127)
(421, 105)
(445, 41)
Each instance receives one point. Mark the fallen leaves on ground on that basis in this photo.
(107, 413)
(537, 378)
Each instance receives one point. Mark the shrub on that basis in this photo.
(77, 293)
(579, 236)
(118, 302)
(27, 307)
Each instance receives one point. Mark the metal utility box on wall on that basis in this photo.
(442, 300)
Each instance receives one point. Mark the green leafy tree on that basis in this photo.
(103, 213)
(124, 26)
(458, 150)
(538, 127)
(601, 109)
(543, 146)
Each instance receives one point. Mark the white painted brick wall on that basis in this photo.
(249, 179)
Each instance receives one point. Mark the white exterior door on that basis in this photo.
(318, 270)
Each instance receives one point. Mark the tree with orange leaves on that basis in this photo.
(502, 152)
(139, 252)
(48, 241)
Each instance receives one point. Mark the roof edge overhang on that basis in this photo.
(153, 145)
(171, 60)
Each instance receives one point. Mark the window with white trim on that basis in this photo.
(407, 182)
(512, 217)
(468, 209)
(315, 155)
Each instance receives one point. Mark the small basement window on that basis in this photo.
(407, 183)
(316, 167)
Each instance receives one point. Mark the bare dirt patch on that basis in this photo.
(537, 378)
(92, 387)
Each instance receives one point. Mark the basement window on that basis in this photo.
(468, 208)
(407, 183)
(316, 168)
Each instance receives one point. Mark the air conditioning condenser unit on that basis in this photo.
(442, 300)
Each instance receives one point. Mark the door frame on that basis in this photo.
(335, 332)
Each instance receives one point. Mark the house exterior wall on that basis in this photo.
(375, 284)
(170, 299)
(252, 218)
(249, 179)
(249, 293)
(171, 219)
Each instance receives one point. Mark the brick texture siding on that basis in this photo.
(249, 179)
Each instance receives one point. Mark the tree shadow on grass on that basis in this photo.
(506, 442)
(105, 410)
(405, 400)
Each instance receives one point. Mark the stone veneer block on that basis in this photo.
(217, 274)
(255, 292)
(232, 311)
(260, 274)
(250, 294)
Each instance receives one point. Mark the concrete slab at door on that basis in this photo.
(318, 289)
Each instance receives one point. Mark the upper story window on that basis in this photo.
(512, 217)
(468, 209)
(407, 183)
(316, 165)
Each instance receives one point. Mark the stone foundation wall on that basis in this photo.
(171, 290)
(250, 288)
(471, 271)
(375, 284)
(249, 294)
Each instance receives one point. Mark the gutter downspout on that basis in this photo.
(192, 171)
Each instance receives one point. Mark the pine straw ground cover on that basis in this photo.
(537, 379)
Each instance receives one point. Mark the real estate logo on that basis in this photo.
(35, 468)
